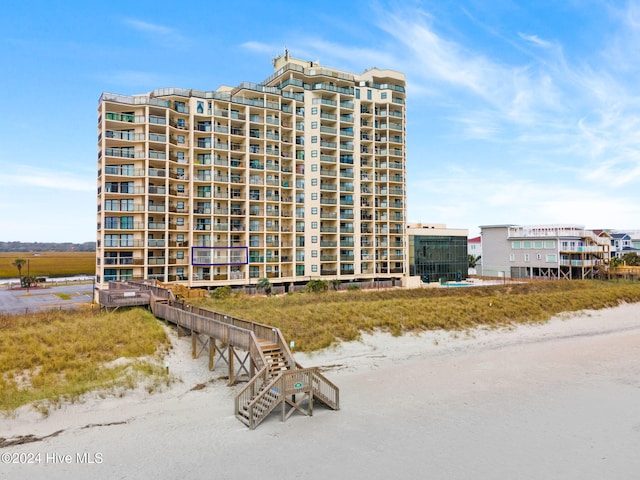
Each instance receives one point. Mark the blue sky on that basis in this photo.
(517, 112)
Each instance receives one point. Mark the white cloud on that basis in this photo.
(152, 28)
(55, 180)
(167, 36)
(535, 40)
(464, 199)
(260, 47)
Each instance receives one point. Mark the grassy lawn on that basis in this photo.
(49, 264)
(317, 320)
(61, 355)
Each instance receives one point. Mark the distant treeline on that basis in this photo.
(47, 247)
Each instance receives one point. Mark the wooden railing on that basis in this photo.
(280, 341)
(259, 398)
(247, 394)
(263, 392)
(324, 390)
(122, 298)
(265, 332)
(224, 332)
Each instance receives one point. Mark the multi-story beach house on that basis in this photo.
(300, 177)
(542, 251)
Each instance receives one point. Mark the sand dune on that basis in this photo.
(559, 400)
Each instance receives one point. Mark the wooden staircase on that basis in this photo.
(279, 380)
(275, 357)
(282, 382)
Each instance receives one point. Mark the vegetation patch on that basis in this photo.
(321, 317)
(55, 356)
(48, 264)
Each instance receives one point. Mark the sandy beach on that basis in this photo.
(554, 401)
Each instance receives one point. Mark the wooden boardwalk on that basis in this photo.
(252, 351)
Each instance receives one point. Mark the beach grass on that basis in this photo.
(54, 356)
(318, 320)
(49, 264)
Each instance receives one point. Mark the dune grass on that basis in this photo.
(318, 320)
(61, 355)
(54, 356)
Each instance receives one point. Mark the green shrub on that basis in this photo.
(317, 286)
(221, 293)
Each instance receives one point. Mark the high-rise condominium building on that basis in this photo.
(296, 178)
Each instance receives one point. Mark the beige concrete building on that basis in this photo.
(296, 178)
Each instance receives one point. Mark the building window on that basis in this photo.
(357, 93)
(314, 268)
(314, 153)
(515, 245)
(314, 139)
(314, 182)
(314, 239)
(111, 240)
(126, 240)
(314, 196)
(549, 244)
(314, 224)
(512, 257)
(314, 124)
(314, 110)
(314, 253)
(314, 210)
(314, 167)
(368, 94)
(526, 257)
(383, 95)
(551, 258)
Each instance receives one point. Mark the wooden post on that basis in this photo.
(232, 373)
(212, 353)
(283, 398)
(194, 344)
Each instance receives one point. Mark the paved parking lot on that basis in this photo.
(42, 298)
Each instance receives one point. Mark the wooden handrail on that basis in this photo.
(264, 391)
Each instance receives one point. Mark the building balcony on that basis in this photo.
(328, 271)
